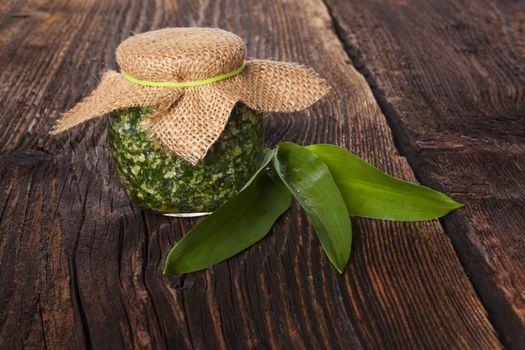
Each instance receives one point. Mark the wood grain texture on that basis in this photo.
(81, 267)
(450, 77)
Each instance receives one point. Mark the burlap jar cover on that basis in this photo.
(190, 116)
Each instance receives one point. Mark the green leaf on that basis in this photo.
(312, 185)
(239, 223)
(370, 193)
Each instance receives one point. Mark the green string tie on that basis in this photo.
(183, 83)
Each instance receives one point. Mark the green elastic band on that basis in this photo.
(183, 83)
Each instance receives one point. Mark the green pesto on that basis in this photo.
(156, 179)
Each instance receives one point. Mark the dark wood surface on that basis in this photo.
(453, 91)
(81, 267)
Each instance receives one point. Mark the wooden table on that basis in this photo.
(426, 90)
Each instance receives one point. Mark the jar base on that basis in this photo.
(185, 215)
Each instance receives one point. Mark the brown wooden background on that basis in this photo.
(426, 90)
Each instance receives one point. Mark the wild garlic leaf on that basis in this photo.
(370, 193)
(312, 185)
(239, 223)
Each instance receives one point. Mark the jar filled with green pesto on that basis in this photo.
(199, 145)
(158, 180)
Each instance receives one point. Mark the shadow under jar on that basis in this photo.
(158, 180)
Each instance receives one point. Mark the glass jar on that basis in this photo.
(158, 180)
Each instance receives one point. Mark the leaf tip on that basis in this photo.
(458, 204)
(340, 266)
(455, 205)
(165, 270)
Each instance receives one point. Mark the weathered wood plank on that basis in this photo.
(81, 267)
(450, 76)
